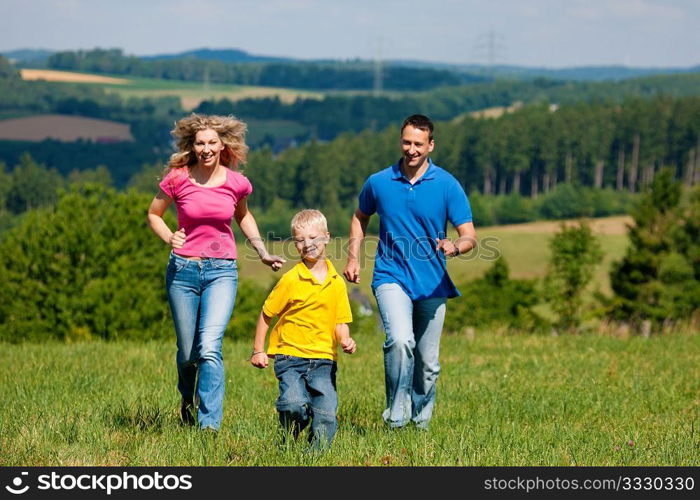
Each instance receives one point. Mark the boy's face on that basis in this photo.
(310, 242)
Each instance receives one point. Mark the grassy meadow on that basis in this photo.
(504, 398)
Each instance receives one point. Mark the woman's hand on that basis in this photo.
(274, 261)
(177, 240)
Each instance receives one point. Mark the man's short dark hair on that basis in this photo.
(421, 122)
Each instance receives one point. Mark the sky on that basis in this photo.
(542, 33)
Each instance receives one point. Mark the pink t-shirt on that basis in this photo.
(206, 212)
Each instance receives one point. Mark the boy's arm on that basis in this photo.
(342, 334)
(259, 356)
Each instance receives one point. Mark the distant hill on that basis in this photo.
(28, 56)
(223, 55)
(580, 73)
(39, 57)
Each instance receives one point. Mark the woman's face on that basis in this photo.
(208, 148)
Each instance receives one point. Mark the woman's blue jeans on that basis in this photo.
(411, 351)
(201, 294)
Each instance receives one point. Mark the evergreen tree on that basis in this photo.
(574, 254)
(658, 279)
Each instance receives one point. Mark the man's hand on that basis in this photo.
(349, 345)
(447, 247)
(352, 271)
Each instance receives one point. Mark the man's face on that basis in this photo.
(415, 146)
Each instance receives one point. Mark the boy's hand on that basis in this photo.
(259, 360)
(349, 345)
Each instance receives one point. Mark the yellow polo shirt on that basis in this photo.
(308, 312)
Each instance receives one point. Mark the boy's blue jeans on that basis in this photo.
(411, 350)
(201, 295)
(307, 394)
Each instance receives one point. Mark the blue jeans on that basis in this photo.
(201, 295)
(411, 351)
(307, 394)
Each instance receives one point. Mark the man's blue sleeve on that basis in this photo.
(368, 204)
(459, 210)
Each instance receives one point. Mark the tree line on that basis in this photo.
(527, 153)
(350, 75)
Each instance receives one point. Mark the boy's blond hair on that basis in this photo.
(309, 217)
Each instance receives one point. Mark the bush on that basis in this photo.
(574, 254)
(513, 209)
(496, 299)
(566, 201)
(91, 268)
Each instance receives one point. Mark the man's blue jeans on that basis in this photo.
(411, 351)
(307, 394)
(201, 295)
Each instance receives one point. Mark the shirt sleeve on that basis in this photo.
(368, 204)
(343, 312)
(245, 187)
(167, 185)
(459, 210)
(277, 300)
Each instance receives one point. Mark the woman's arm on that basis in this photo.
(159, 205)
(247, 223)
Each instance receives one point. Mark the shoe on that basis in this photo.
(187, 412)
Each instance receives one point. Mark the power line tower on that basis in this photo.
(206, 81)
(491, 48)
(378, 70)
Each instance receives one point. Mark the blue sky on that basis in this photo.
(550, 33)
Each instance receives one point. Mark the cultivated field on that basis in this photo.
(191, 94)
(63, 128)
(69, 76)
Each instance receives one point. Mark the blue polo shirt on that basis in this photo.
(411, 219)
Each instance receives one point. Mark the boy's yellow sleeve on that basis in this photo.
(343, 312)
(277, 300)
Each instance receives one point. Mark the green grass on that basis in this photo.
(502, 400)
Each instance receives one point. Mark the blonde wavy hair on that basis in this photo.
(231, 132)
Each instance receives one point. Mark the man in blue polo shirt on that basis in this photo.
(414, 199)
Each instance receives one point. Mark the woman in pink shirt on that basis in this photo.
(202, 275)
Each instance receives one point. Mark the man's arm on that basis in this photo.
(358, 228)
(466, 240)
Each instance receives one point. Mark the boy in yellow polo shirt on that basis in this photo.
(312, 304)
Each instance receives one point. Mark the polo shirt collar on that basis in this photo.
(398, 175)
(305, 273)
